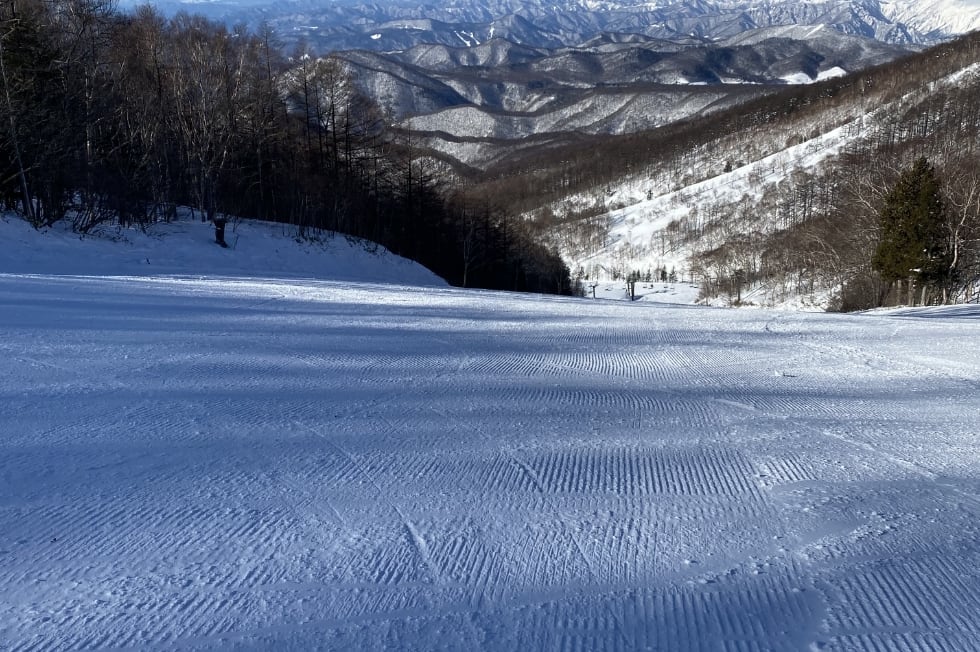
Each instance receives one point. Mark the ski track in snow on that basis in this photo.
(193, 463)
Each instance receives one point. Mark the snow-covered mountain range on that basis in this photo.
(474, 76)
(401, 24)
(472, 103)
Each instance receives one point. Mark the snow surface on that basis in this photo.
(803, 78)
(187, 247)
(645, 292)
(280, 463)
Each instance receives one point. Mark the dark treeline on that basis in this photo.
(107, 116)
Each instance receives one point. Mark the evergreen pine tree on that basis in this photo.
(913, 242)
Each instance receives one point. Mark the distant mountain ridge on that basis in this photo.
(401, 24)
(473, 103)
(476, 76)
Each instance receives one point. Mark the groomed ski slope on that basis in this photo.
(199, 463)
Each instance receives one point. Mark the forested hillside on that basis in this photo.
(779, 198)
(124, 117)
(107, 116)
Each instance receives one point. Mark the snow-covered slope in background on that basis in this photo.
(187, 247)
(643, 211)
(935, 17)
(638, 237)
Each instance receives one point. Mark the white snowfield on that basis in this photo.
(200, 463)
